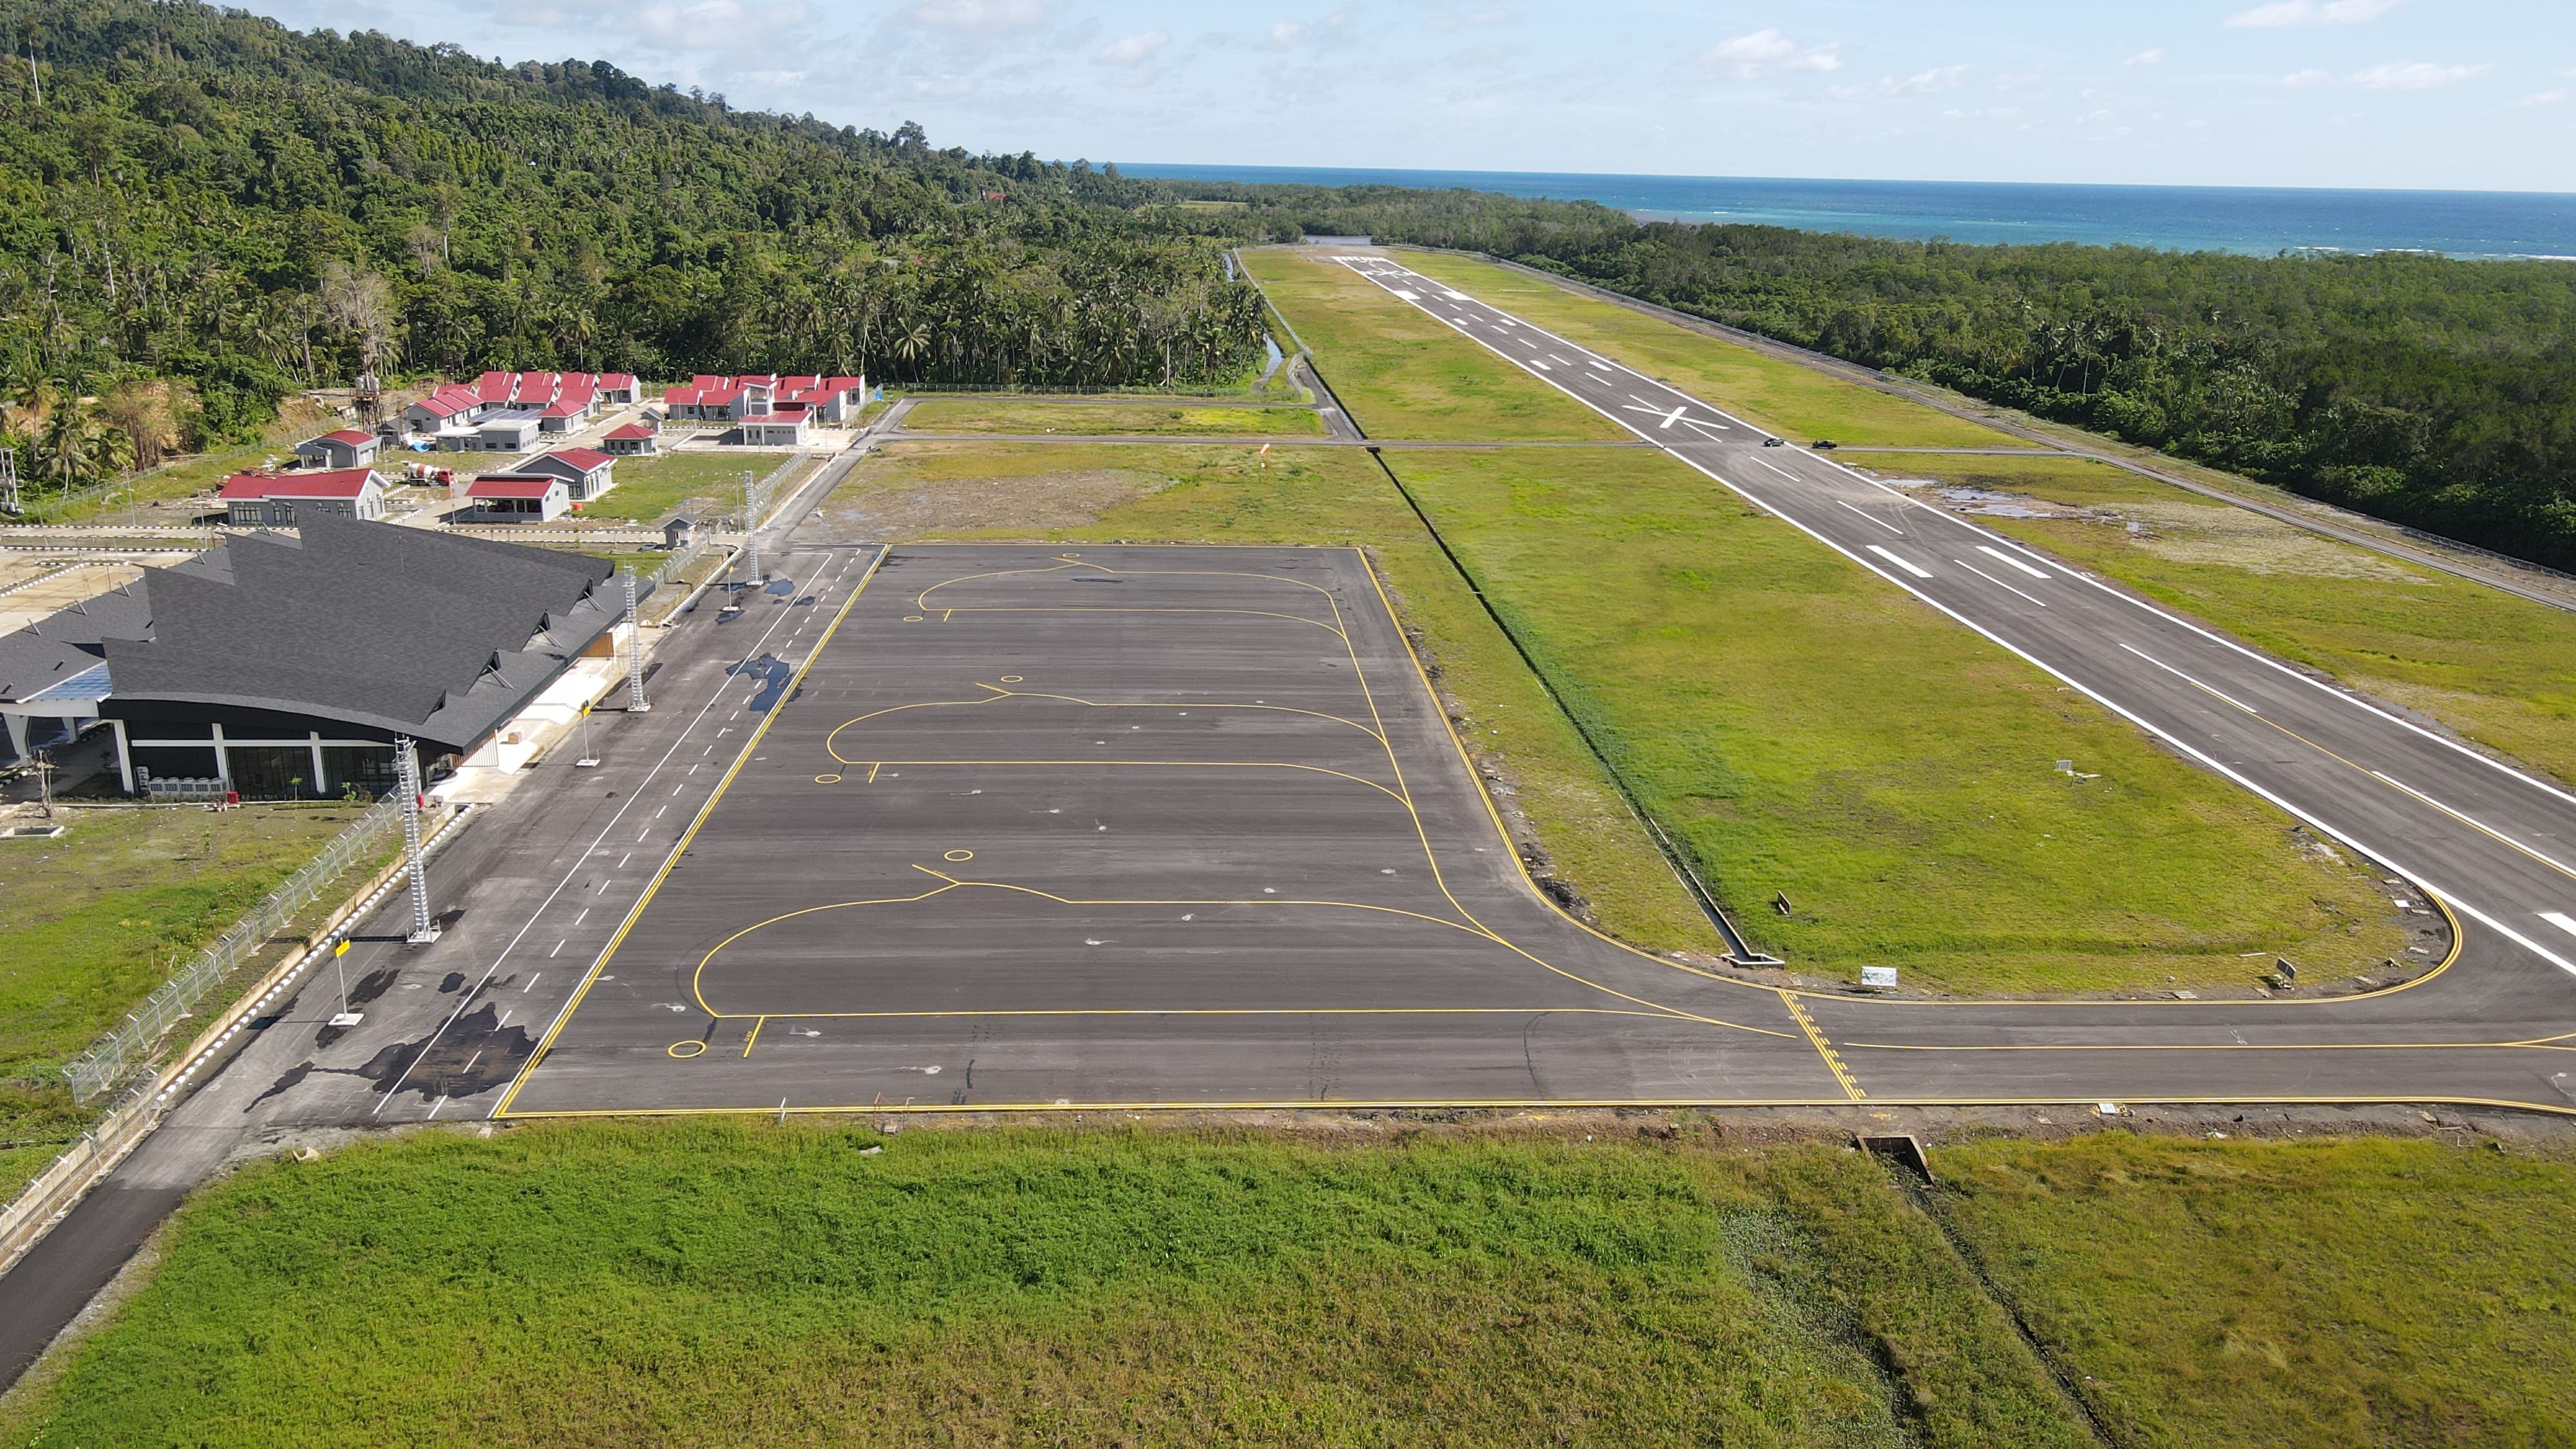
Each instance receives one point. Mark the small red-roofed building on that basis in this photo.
(493, 389)
(347, 448)
(618, 388)
(452, 405)
(272, 500)
(584, 471)
(514, 498)
(562, 416)
(635, 440)
(786, 425)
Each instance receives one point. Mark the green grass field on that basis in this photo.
(977, 415)
(2501, 670)
(1814, 733)
(2369, 1292)
(723, 1283)
(1784, 397)
(1402, 374)
(92, 921)
(650, 490)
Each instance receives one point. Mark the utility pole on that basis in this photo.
(9, 482)
(634, 654)
(751, 526)
(407, 778)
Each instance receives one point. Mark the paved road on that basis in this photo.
(2497, 845)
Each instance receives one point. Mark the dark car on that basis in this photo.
(1823, 445)
(1774, 442)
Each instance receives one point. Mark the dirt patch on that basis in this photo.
(2193, 533)
(1038, 502)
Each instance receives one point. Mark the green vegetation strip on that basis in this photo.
(2500, 669)
(650, 490)
(1404, 375)
(92, 920)
(961, 416)
(1784, 397)
(1811, 733)
(755, 1284)
(2368, 1292)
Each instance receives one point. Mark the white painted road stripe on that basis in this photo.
(1881, 522)
(1900, 561)
(2561, 920)
(1998, 583)
(2187, 679)
(2002, 557)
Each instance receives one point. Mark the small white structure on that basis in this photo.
(514, 431)
(635, 440)
(786, 425)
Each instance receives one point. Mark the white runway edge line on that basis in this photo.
(1900, 560)
(822, 590)
(2393, 862)
(466, 999)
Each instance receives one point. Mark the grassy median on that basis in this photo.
(1404, 374)
(2500, 669)
(650, 490)
(1785, 397)
(982, 415)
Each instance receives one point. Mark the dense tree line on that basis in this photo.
(2424, 390)
(202, 210)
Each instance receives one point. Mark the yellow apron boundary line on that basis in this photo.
(672, 860)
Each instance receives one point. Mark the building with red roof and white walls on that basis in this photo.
(272, 500)
(635, 440)
(514, 498)
(347, 448)
(586, 472)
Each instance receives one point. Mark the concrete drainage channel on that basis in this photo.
(1902, 1155)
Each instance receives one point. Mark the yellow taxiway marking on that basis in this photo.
(999, 694)
(1823, 1047)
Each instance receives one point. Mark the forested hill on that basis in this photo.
(209, 197)
(2428, 391)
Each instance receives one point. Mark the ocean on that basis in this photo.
(2259, 220)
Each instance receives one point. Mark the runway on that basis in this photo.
(2495, 844)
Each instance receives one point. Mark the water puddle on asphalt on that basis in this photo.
(772, 673)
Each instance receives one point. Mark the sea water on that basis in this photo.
(2260, 220)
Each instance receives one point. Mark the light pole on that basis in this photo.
(407, 776)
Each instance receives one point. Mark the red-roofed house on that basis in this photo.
(562, 416)
(271, 500)
(347, 448)
(514, 498)
(617, 387)
(584, 471)
(451, 404)
(782, 426)
(536, 389)
(495, 387)
(635, 440)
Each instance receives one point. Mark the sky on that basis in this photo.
(2441, 94)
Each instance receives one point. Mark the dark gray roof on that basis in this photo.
(397, 629)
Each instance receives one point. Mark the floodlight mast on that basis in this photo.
(407, 779)
(635, 702)
(751, 526)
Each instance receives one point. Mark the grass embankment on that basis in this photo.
(2501, 670)
(2330, 1293)
(650, 490)
(1812, 733)
(754, 1284)
(975, 415)
(1403, 374)
(1316, 496)
(1784, 397)
(92, 921)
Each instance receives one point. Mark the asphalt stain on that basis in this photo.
(781, 587)
(773, 674)
(454, 980)
(365, 989)
(286, 1082)
(475, 1054)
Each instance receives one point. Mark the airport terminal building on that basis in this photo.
(283, 666)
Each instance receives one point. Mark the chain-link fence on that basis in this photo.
(129, 1047)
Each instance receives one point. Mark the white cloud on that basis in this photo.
(2311, 12)
(717, 24)
(983, 16)
(1766, 52)
(2304, 80)
(2146, 57)
(1130, 49)
(1921, 83)
(1480, 17)
(2546, 98)
(1286, 32)
(2415, 75)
